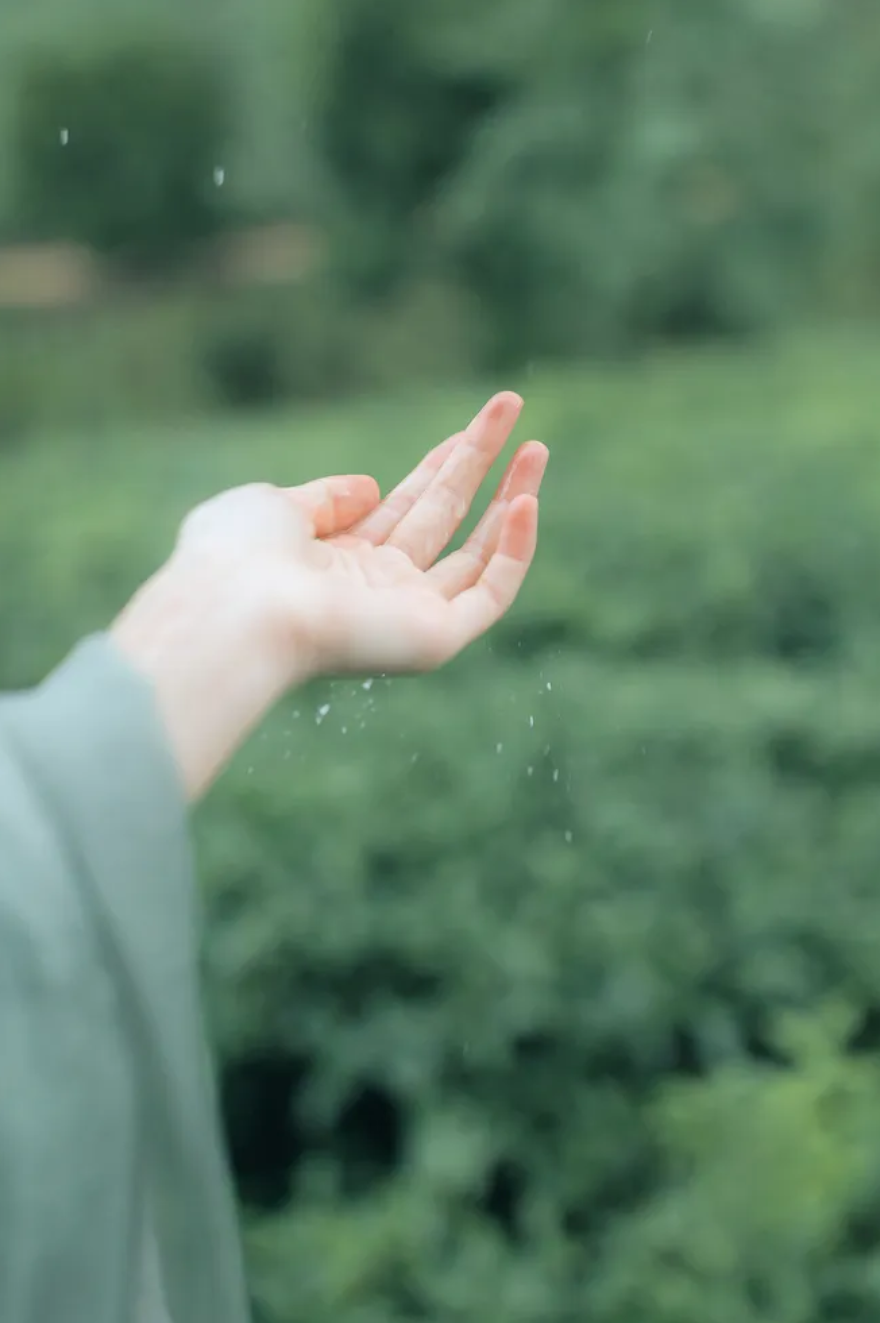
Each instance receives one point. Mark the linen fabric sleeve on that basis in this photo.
(109, 1129)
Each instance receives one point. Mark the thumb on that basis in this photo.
(333, 505)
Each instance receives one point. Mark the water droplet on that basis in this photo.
(530, 771)
(531, 721)
(555, 773)
(568, 838)
(322, 712)
(64, 137)
(367, 684)
(549, 685)
(415, 757)
(345, 730)
(499, 748)
(219, 176)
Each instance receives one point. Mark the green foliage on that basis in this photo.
(589, 177)
(392, 129)
(602, 174)
(180, 352)
(118, 148)
(548, 988)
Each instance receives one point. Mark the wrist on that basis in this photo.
(215, 657)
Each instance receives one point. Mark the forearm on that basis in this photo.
(203, 641)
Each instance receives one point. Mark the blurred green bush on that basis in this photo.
(203, 348)
(548, 988)
(117, 148)
(587, 178)
(601, 175)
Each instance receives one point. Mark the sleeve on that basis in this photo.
(108, 1102)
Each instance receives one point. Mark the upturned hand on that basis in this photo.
(270, 586)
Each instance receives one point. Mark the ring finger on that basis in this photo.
(463, 568)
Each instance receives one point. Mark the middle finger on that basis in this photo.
(424, 532)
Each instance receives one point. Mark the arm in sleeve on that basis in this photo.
(107, 1102)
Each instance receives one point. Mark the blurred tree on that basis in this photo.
(392, 126)
(603, 174)
(119, 149)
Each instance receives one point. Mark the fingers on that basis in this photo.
(333, 505)
(431, 521)
(423, 533)
(381, 522)
(480, 607)
(463, 568)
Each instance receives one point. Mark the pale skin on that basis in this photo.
(269, 587)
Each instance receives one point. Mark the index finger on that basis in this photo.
(334, 504)
(381, 522)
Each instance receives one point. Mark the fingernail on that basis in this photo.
(507, 401)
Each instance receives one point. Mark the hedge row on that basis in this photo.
(548, 987)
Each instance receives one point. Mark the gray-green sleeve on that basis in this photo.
(107, 1105)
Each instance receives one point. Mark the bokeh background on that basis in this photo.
(546, 989)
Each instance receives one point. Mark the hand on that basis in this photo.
(270, 586)
(356, 586)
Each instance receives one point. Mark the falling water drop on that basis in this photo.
(64, 137)
(219, 176)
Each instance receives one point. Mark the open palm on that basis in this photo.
(361, 579)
